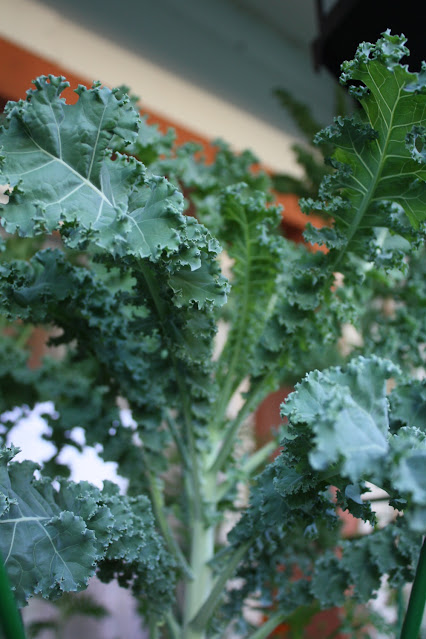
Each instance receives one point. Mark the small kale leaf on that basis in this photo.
(53, 539)
(347, 411)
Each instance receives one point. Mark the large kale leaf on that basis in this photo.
(61, 174)
(160, 263)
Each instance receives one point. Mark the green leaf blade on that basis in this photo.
(378, 166)
(348, 414)
(53, 539)
(61, 173)
(45, 549)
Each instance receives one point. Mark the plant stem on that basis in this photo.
(173, 626)
(254, 396)
(24, 336)
(202, 617)
(296, 621)
(193, 457)
(180, 445)
(197, 591)
(400, 610)
(248, 467)
(153, 628)
(228, 381)
(158, 507)
(259, 457)
(416, 604)
(269, 626)
(10, 618)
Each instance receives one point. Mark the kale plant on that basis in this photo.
(134, 290)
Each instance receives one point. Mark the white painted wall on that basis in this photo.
(205, 64)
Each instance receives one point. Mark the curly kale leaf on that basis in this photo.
(46, 549)
(249, 230)
(54, 539)
(204, 182)
(304, 317)
(338, 434)
(408, 450)
(275, 303)
(62, 174)
(392, 310)
(408, 405)
(138, 342)
(377, 194)
(391, 551)
(347, 413)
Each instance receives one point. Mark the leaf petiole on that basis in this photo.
(10, 618)
(158, 508)
(202, 617)
(416, 604)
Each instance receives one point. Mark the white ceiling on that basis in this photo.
(210, 65)
(237, 49)
(294, 19)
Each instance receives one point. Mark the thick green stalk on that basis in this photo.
(198, 590)
(10, 619)
(416, 604)
(202, 550)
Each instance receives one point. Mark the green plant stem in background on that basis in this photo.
(157, 500)
(24, 335)
(153, 628)
(400, 610)
(204, 614)
(173, 627)
(269, 626)
(10, 618)
(416, 604)
(296, 621)
(202, 550)
(252, 400)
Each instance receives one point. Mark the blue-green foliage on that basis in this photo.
(52, 539)
(134, 290)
